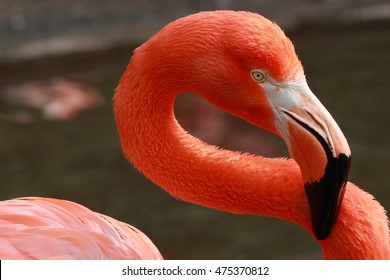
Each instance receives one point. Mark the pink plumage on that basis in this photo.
(46, 228)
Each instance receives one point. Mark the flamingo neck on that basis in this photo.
(361, 230)
(199, 173)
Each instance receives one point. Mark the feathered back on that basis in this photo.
(46, 228)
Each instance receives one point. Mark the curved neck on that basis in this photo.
(193, 171)
(199, 173)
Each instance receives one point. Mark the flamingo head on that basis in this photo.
(244, 64)
(264, 83)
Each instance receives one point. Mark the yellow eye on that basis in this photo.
(258, 75)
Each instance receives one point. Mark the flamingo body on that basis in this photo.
(46, 228)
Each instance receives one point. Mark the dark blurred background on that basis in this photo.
(61, 60)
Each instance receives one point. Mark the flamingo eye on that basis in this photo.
(258, 75)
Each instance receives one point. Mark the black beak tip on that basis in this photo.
(323, 209)
(326, 195)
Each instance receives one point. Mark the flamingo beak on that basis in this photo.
(317, 144)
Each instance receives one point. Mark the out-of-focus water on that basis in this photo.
(81, 160)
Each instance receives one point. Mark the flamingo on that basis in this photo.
(245, 65)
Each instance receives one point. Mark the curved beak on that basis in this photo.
(317, 144)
